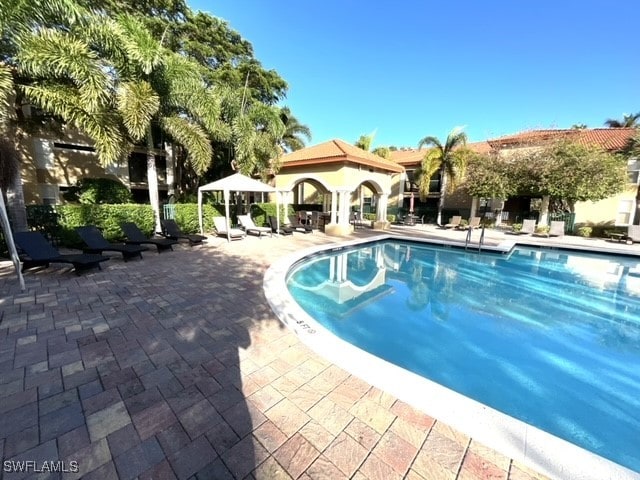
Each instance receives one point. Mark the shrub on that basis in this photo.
(585, 231)
(98, 190)
(516, 227)
(542, 229)
(105, 217)
(186, 216)
(261, 211)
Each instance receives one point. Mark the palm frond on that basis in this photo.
(137, 104)
(428, 168)
(430, 141)
(456, 138)
(22, 16)
(100, 126)
(193, 138)
(55, 54)
(6, 90)
(140, 45)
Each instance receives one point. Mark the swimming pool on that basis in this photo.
(549, 337)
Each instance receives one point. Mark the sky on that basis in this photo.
(407, 69)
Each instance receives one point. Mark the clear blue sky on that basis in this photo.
(411, 68)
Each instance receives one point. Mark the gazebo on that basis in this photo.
(233, 183)
(338, 170)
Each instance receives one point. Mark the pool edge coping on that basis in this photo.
(520, 441)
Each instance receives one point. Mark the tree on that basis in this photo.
(365, 141)
(17, 22)
(489, 176)
(578, 126)
(570, 173)
(629, 120)
(445, 159)
(159, 88)
(294, 131)
(384, 152)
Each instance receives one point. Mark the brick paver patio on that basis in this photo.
(174, 366)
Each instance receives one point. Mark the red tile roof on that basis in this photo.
(414, 156)
(338, 151)
(607, 138)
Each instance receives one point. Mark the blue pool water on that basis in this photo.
(550, 337)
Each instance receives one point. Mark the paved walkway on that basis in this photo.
(175, 367)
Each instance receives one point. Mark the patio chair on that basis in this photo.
(557, 228)
(284, 230)
(170, 229)
(40, 253)
(294, 223)
(136, 237)
(528, 227)
(454, 221)
(220, 223)
(474, 222)
(96, 243)
(633, 234)
(249, 226)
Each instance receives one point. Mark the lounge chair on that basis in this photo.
(220, 223)
(170, 229)
(454, 221)
(39, 252)
(96, 243)
(474, 222)
(247, 223)
(136, 237)
(284, 230)
(528, 227)
(633, 234)
(295, 223)
(557, 228)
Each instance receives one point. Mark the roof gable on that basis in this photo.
(335, 151)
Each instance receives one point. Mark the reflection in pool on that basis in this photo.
(549, 337)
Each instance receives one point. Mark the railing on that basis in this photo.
(568, 219)
(169, 211)
(468, 239)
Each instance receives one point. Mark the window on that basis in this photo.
(72, 146)
(43, 153)
(633, 169)
(625, 209)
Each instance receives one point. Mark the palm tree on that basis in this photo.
(445, 159)
(365, 141)
(23, 83)
(294, 131)
(629, 120)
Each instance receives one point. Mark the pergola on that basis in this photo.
(233, 183)
(337, 169)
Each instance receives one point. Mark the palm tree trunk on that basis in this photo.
(152, 182)
(16, 207)
(443, 188)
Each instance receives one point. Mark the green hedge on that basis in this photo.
(261, 211)
(106, 217)
(186, 216)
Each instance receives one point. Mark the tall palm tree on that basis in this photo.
(445, 159)
(629, 120)
(295, 132)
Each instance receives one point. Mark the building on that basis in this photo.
(619, 210)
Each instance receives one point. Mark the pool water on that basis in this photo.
(550, 337)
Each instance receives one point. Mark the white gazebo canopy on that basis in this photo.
(234, 183)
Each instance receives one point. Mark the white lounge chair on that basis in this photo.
(454, 221)
(528, 226)
(474, 222)
(220, 223)
(556, 229)
(247, 223)
(633, 234)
